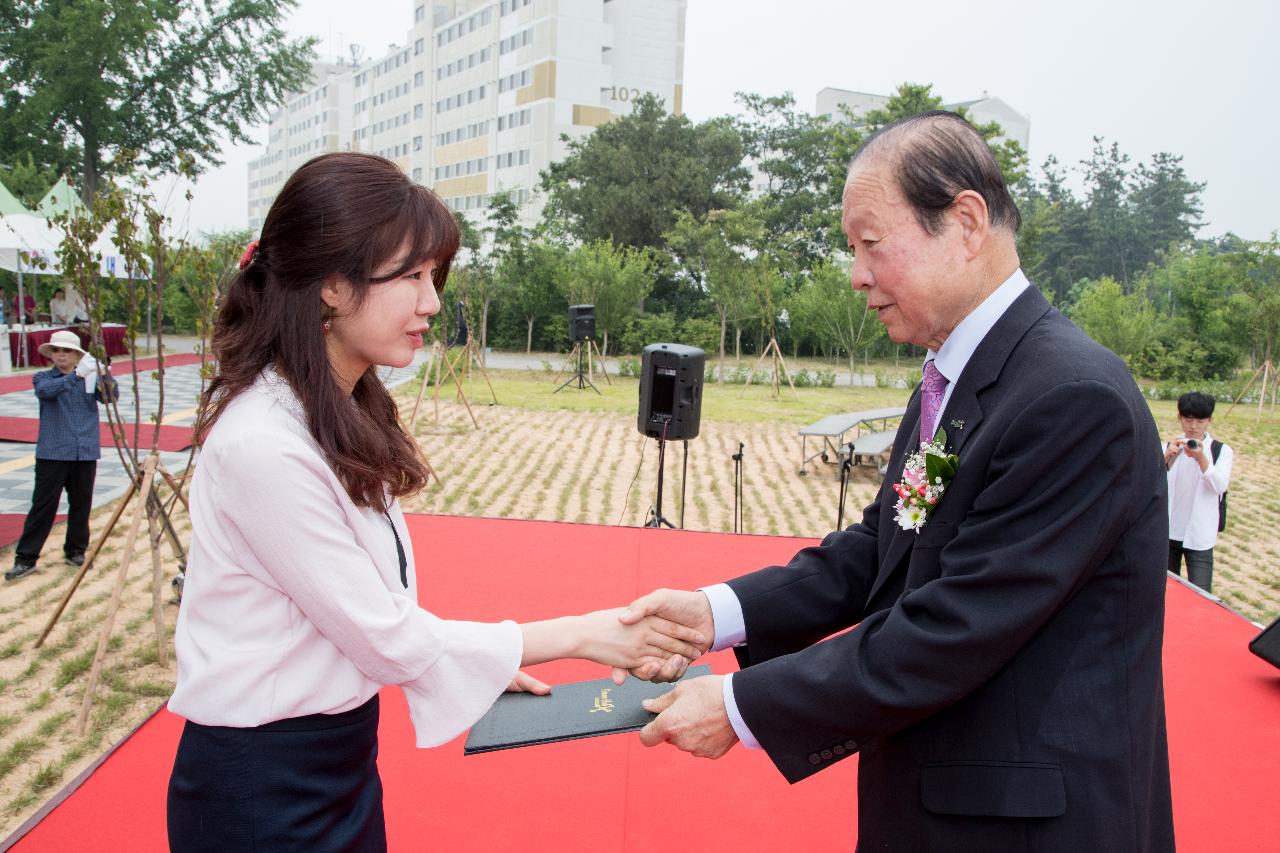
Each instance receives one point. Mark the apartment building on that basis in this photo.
(310, 123)
(477, 98)
(980, 110)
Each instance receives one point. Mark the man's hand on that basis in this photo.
(680, 606)
(692, 718)
(87, 366)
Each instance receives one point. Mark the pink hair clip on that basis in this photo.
(249, 252)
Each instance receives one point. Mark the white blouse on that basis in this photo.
(293, 602)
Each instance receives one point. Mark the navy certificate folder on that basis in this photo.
(584, 709)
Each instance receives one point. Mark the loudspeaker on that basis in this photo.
(1267, 644)
(671, 391)
(582, 323)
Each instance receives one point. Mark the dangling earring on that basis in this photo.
(325, 326)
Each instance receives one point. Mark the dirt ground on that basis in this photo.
(588, 467)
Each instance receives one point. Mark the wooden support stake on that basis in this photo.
(148, 471)
(88, 561)
(157, 587)
(592, 343)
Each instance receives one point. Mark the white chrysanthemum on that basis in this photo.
(912, 518)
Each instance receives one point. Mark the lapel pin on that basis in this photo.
(958, 424)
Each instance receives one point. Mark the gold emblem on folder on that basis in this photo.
(602, 702)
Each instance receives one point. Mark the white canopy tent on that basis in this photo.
(29, 245)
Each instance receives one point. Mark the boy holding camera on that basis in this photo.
(1199, 472)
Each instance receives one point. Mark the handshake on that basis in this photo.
(655, 638)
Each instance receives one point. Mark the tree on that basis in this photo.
(1165, 206)
(84, 81)
(1262, 286)
(827, 311)
(533, 283)
(712, 252)
(914, 98)
(793, 150)
(1124, 324)
(627, 181)
(612, 278)
(27, 181)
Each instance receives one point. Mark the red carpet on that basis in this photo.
(171, 437)
(11, 526)
(611, 794)
(119, 367)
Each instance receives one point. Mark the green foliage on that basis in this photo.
(700, 332)
(1126, 325)
(647, 329)
(26, 180)
(1185, 360)
(612, 278)
(630, 178)
(825, 310)
(794, 152)
(1125, 222)
(85, 80)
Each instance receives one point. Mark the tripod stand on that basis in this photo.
(656, 519)
(846, 465)
(582, 353)
(737, 489)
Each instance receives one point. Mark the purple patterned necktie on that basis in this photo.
(932, 390)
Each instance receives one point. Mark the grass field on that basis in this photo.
(570, 456)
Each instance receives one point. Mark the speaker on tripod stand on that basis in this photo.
(670, 406)
(582, 323)
(582, 333)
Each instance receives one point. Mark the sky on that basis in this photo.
(1194, 79)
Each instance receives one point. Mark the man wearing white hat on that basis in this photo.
(67, 450)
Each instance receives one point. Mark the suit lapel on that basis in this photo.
(960, 419)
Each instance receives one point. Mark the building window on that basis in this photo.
(420, 14)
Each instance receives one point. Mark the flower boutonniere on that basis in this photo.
(925, 478)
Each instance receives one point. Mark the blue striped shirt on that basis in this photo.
(68, 416)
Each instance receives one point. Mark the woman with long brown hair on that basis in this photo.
(300, 601)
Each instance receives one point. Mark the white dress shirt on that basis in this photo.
(1193, 496)
(61, 311)
(293, 602)
(950, 359)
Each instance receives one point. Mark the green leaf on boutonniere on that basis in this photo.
(941, 467)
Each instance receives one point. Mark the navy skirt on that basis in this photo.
(307, 783)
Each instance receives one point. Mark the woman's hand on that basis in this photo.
(526, 683)
(650, 641)
(646, 644)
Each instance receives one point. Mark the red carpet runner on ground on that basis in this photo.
(11, 526)
(171, 437)
(119, 368)
(611, 794)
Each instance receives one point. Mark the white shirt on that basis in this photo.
(61, 311)
(293, 602)
(1193, 497)
(950, 359)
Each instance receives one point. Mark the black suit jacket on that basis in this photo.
(1003, 682)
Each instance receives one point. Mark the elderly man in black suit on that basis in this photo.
(1001, 681)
